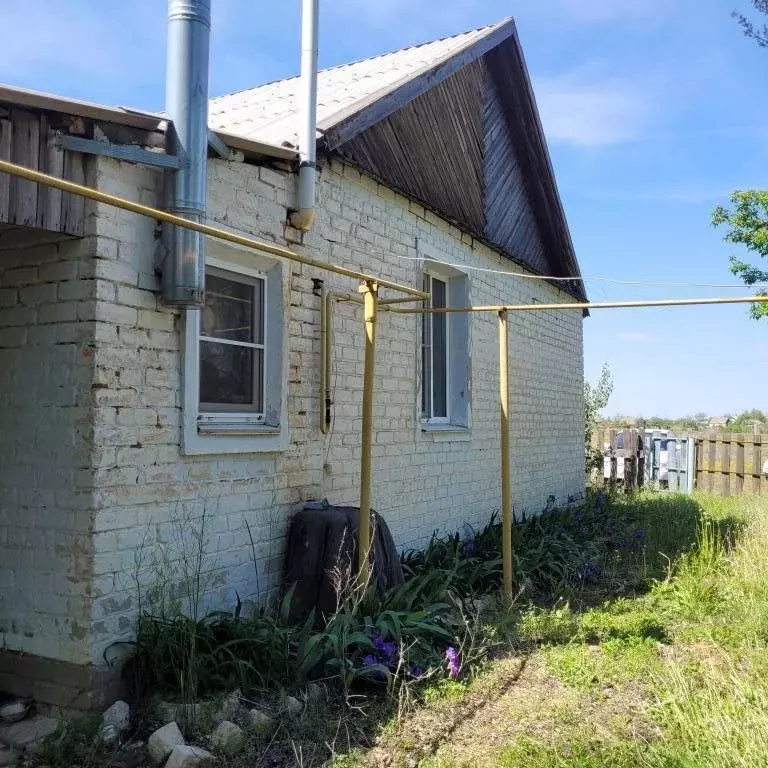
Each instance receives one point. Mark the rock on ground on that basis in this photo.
(228, 737)
(119, 716)
(24, 735)
(292, 706)
(260, 721)
(163, 741)
(13, 711)
(189, 757)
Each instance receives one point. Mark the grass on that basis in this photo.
(661, 662)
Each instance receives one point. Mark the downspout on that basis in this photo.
(304, 217)
(186, 104)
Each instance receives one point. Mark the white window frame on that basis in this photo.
(210, 431)
(457, 424)
(429, 275)
(212, 413)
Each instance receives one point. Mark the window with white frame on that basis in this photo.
(232, 349)
(234, 367)
(434, 353)
(445, 353)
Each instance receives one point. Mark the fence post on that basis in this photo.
(712, 467)
(725, 466)
(738, 480)
(698, 447)
(614, 463)
(757, 464)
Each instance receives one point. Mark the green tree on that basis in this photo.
(596, 397)
(757, 33)
(747, 223)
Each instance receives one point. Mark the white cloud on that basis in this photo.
(578, 109)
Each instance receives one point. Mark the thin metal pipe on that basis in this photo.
(506, 484)
(325, 309)
(370, 295)
(304, 217)
(588, 305)
(206, 229)
(384, 302)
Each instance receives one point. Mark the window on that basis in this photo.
(232, 344)
(445, 349)
(434, 354)
(234, 364)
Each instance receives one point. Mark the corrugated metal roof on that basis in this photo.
(269, 113)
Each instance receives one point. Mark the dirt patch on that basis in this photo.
(523, 700)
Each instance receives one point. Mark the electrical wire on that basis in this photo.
(526, 275)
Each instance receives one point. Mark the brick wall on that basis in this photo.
(141, 491)
(143, 486)
(47, 306)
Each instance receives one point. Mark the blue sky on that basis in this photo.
(654, 109)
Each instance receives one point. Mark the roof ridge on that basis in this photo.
(499, 23)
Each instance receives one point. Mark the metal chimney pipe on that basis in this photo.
(304, 216)
(186, 104)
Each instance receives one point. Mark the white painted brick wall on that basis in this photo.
(46, 372)
(136, 478)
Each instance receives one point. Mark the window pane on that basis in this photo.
(426, 358)
(439, 352)
(231, 375)
(230, 309)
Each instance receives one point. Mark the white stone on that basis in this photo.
(260, 721)
(14, 711)
(119, 716)
(292, 706)
(183, 756)
(27, 734)
(228, 737)
(162, 742)
(110, 734)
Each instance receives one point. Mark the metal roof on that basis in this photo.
(269, 113)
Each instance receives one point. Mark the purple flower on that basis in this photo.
(377, 641)
(454, 667)
(468, 548)
(370, 660)
(388, 649)
(639, 533)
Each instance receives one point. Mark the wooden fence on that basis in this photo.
(731, 464)
(625, 465)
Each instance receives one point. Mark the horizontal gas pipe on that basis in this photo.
(588, 305)
(205, 229)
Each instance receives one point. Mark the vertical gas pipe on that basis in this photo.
(506, 489)
(371, 295)
(186, 104)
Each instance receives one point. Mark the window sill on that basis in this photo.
(237, 429)
(210, 439)
(444, 433)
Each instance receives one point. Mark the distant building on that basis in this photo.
(720, 422)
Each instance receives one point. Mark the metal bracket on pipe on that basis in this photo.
(126, 152)
(218, 146)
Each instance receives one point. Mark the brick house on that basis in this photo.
(118, 413)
